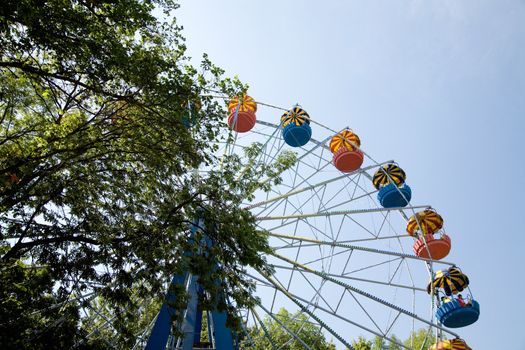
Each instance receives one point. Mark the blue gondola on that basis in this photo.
(296, 128)
(391, 196)
(297, 135)
(453, 315)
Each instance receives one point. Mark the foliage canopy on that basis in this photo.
(103, 125)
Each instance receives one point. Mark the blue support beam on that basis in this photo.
(222, 335)
(190, 317)
(218, 333)
(162, 328)
(198, 328)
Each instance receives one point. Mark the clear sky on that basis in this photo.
(439, 86)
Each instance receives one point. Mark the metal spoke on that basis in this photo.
(340, 212)
(359, 279)
(352, 247)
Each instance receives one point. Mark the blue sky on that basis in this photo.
(439, 86)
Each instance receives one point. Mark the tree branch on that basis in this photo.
(41, 72)
(16, 251)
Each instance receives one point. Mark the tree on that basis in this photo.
(26, 288)
(362, 344)
(392, 345)
(297, 323)
(379, 343)
(102, 124)
(420, 340)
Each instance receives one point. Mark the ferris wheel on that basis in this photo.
(351, 252)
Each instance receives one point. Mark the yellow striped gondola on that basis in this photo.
(451, 344)
(427, 221)
(296, 115)
(451, 281)
(394, 172)
(247, 104)
(345, 138)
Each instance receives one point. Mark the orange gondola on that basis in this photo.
(345, 148)
(241, 113)
(435, 248)
(423, 225)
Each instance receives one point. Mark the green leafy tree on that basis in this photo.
(362, 344)
(25, 288)
(103, 124)
(392, 345)
(417, 340)
(379, 343)
(297, 323)
(420, 340)
(382, 344)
